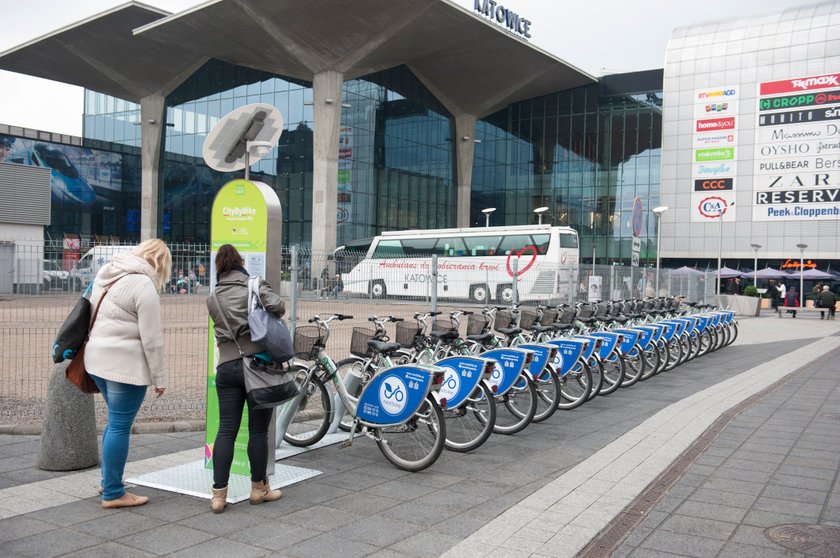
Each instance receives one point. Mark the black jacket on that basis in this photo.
(232, 293)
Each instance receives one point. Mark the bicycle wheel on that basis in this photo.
(469, 426)
(416, 444)
(355, 366)
(733, 332)
(574, 387)
(674, 353)
(634, 366)
(664, 356)
(313, 415)
(706, 342)
(548, 394)
(516, 409)
(614, 370)
(596, 369)
(650, 354)
(686, 347)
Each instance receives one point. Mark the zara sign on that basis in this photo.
(503, 16)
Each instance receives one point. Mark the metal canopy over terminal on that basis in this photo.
(142, 54)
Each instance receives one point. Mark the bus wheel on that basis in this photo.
(504, 294)
(479, 293)
(377, 289)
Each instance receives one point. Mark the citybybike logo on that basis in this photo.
(451, 384)
(720, 154)
(715, 93)
(715, 124)
(793, 101)
(392, 395)
(712, 207)
(799, 84)
(238, 211)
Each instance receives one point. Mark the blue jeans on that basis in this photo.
(123, 401)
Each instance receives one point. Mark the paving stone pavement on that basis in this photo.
(546, 491)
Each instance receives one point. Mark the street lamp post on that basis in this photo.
(801, 277)
(755, 263)
(539, 211)
(658, 211)
(487, 212)
(720, 241)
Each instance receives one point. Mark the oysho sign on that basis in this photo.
(503, 16)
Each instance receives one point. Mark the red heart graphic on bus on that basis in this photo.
(520, 271)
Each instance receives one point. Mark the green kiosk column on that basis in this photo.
(247, 215)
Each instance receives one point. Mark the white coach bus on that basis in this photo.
(477, 264)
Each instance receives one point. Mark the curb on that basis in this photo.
(138, 428)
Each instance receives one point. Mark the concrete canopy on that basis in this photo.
(471, 65)
(102, 54)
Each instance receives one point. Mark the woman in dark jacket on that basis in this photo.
(232, 294)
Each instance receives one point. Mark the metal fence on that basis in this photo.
(312, 283)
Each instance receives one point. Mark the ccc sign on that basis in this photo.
(713, 185)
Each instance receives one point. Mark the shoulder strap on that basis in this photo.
(99, 303)
(254, 292)
(224, 319)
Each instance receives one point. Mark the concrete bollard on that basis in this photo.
(69, 438)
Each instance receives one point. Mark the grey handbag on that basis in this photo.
(267, 331)
(266, 385)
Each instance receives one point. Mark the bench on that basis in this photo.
(798, 309)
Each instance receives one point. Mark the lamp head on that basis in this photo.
(755, 246)
(260, 148)
(540, 210)
(801, 246)
(660, 210)
(488, 210)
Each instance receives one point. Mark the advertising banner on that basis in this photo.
(797, 149)
(714, 153)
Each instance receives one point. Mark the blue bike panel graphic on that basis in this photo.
(670, 330)
(394, 395)
(462, 376)
(509, 365)
(608, 342)
(569, 351)
(628, 341)
(589, 349)
(541, 355)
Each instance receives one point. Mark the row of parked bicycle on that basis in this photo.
(434, 388)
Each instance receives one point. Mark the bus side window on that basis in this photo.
(541, 243)
(388, 249)
(482, 245)
(514, 243)
(452, 246)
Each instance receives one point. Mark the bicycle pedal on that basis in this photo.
(346, 443)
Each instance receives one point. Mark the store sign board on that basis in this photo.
(796, 164)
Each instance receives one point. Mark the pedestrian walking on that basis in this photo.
(124, 354)
(232, 295)
(792, 299)
(826, 300)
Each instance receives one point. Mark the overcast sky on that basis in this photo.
(597, 36)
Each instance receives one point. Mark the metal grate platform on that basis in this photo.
(194, 480)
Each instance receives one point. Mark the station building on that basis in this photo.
(400, 114)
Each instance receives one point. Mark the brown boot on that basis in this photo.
(261, 492)
(219, 501)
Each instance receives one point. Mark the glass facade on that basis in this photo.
(586, 154)
(396, 161)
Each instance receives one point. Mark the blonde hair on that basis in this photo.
(157, 254)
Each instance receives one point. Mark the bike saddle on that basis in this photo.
(509, 331)
(481, 337)
(384, 347)
(542, 328)
(447, 335)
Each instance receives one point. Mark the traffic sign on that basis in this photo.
(637, 217)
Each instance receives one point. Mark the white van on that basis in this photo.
(88, 265)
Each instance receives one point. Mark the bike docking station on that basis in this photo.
(248, 215)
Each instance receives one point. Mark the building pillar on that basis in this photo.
(151, 146)
(326, 89)
(464, 150)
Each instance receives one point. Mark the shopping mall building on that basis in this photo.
(420, 114)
